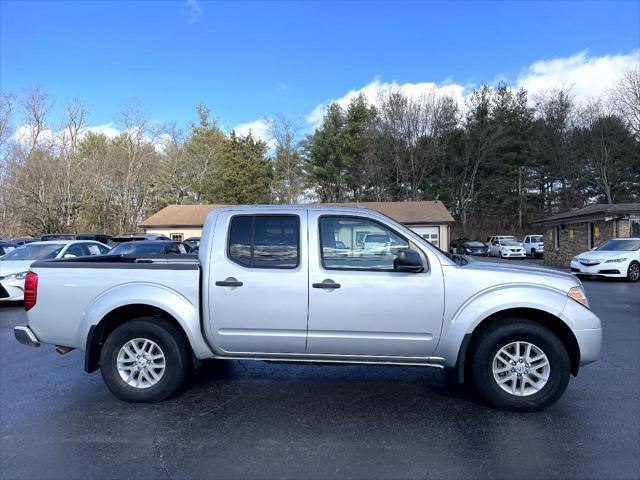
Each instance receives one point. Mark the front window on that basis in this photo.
(35, 252)
(350, 243)
(509, 243)
(474, 244)
(620, 245)
(138, 248)
(265, 241)
(536, 239)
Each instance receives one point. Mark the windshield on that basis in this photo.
(474, 244)
(35, 252)
(137, 247)
(509, 243)
(536, 238)
(619, 245)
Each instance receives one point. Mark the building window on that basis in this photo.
(265, 241)
(177, 237)
(556, 237)
(590, 236)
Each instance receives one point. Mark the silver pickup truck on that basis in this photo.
(298, 283)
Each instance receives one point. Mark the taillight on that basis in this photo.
(30, 290)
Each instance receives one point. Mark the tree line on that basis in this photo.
(498, 161)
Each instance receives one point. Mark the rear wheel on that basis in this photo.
(633, 272)
(519, 365)
(145, 360)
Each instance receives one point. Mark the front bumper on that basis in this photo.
(616, 270)
(590, 342)
(587, 329)
(513, 255)
(11, 290)
(25, 336)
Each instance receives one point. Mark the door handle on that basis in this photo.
(229, 282)
(328, 284)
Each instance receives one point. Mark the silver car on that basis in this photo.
(299, 283)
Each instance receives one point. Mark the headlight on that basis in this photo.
(615, 260)
(467, 250)
(577, 294)
(15, 276)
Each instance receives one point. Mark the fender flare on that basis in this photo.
(148, 294)
(458, 332)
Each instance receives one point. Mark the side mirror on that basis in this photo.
(408, 261)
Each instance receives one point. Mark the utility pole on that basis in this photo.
(520, 198)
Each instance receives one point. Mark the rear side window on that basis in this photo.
(265, 241)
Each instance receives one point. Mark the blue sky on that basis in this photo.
(253, 59)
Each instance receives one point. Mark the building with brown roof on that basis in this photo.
(430, 219)
(569, 233)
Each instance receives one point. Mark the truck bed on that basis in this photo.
(75, 291)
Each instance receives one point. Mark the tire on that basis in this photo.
(154, 384)
(528, 398)
(633, 272)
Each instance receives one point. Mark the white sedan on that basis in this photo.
(506, 248)
(618, 258)
(15, 264)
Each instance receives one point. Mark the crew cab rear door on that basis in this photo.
(358, 304)
(258, 281)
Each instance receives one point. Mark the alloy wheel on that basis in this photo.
(521, 368)
(141, 363)
(634, 272)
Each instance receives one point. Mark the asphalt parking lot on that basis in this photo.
(266, 420)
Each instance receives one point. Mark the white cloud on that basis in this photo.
(587, 77)
(195, 11)
(108, 130)
(258, 128)
(376, 89)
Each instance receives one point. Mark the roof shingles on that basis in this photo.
(590, 212)
(409, 213)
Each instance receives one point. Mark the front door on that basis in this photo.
(358, 304)
(259, 282)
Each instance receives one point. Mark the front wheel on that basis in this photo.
(519, 365)
(145, 360)
(633, 272)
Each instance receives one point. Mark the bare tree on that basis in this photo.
(7, 105)
(37, 105)
(288, 179)
(608, 150)
(482, 138)
(557, 111)
(626, 99)
(417, 130)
